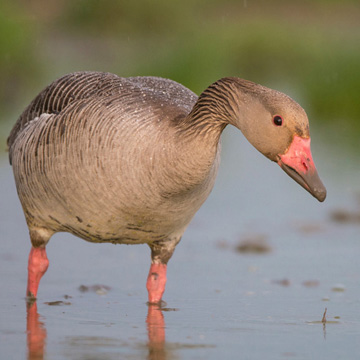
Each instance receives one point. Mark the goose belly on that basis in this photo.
(106, 188)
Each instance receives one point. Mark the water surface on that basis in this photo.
(221, 303)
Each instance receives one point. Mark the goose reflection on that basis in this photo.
(37, 334)
(156, 333)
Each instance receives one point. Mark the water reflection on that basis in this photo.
(37, 335)
(156, 333)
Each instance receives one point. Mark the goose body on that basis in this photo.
(131, 160)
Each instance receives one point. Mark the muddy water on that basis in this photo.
(250, 280)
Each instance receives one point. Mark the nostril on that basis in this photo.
(305, 165)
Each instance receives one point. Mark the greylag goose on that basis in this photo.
(131, 160)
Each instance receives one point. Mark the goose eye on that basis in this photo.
(277, 120)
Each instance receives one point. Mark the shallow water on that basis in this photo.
(221, 303)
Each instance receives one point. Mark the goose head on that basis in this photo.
(278, 127)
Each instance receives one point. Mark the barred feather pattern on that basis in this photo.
(131, 160)
(99, 156)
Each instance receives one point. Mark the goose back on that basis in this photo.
(94, 85)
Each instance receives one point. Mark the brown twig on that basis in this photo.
(324, 317)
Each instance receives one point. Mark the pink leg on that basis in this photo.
(37, 266)
(156, 282)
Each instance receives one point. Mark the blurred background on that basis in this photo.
(308, 49)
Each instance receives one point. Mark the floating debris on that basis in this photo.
(283, 282)
(254, 244)
(310, 228)
(98, 289)
(338, 288)
(57, 303)
(345, 216)
(311, 283)
(169, 309)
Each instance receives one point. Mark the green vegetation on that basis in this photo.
(309, 49)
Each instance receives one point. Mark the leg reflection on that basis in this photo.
(156, 333)
(36, 333)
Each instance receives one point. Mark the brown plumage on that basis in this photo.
(131, 160)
